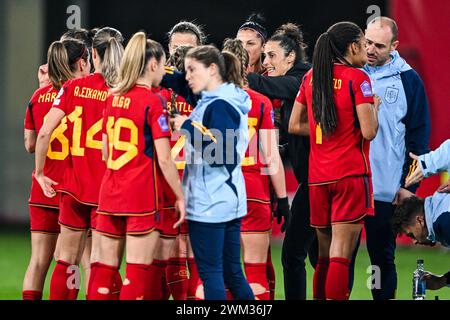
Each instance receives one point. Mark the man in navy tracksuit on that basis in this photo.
(404, 126)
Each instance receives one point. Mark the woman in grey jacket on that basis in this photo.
(213, 183)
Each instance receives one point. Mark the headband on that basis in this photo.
(256, 27)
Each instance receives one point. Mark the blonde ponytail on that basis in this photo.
(133, 63)
(137, 53)
(111, 62)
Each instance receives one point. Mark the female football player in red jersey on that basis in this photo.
(262, 160)
(83, 35)
(136, 144)
(65, 60)
(169, 267)
(253, 35)
(336, 108)
(80, 103)
(173, 255)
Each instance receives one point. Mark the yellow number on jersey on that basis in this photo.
(58, 134)
(129, 147)
(75, 118)
(90, 142)
(252, 123)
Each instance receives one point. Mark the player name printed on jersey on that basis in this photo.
(89, 93)
(47, 97)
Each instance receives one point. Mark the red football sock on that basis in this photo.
(117, 285)
(271, 275)
(320, 278)
(92, 276)
(257, 278)
(193, 279)
(31, 295)
(158, 289)
(337, 279)
(229, 294)
(137, 282)
(102, 282)
(59, 289)
(177, 279)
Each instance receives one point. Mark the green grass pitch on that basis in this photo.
(15, 252)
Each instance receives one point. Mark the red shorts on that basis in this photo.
(184, 228)
(120, 226)
(44, 220)
(168, 217)
(346, 201)
(76, 215)
(258, 218)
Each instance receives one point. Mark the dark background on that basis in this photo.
(221, 19)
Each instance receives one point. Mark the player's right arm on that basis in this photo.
(29, 137)
(53, 119)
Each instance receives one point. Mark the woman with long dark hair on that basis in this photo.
(335, 107)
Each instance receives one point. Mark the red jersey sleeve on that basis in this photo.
(362, 88)
(268, 118)
(301, 96)
(61, 99)
(158, 119)
(29, 122)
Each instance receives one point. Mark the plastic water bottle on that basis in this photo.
(419, 285)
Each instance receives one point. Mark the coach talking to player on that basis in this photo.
(404, 126)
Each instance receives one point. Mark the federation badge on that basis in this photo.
(366, 89)
(163, 124)
(391, 95)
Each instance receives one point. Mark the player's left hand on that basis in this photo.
(401, 195)
(417, 175)
(176, 121)
(283, 211)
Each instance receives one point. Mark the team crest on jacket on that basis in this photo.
(391, 95)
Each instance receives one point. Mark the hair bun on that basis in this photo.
(257, 17)
(292, 31)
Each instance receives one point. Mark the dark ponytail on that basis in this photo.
(228, 65)
(331, 47)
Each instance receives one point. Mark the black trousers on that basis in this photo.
(299, 242)
(381, 247)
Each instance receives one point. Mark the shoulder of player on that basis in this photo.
(255, 96)
(91, 80)
(41, 91)
(354, 73)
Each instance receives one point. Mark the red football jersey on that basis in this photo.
(58, 151)
(260, 117)
(83, 101)
(133, 122)
(177, 142)
(345, 152)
